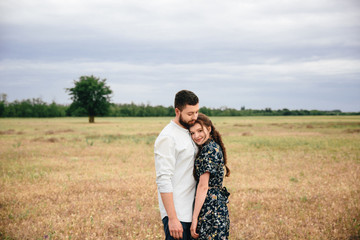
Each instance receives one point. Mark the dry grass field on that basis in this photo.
(291, 178)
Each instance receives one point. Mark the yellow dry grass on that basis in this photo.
(291, 178)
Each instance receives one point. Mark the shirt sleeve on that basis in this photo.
(208, 161)
(164, 150)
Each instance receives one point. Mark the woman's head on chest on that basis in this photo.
(201, 130)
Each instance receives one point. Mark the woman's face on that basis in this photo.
(200, 134)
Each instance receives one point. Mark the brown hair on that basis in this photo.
(185, 97)
(204, 121)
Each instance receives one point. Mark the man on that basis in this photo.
(174, 162)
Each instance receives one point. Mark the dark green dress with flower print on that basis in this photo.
(214, 221)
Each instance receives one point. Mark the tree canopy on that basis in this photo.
(38, 108)
(92, 95)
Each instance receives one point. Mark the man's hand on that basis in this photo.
(175, 229)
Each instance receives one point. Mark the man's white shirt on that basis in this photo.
(174, 163)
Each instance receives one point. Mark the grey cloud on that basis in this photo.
(295, 54)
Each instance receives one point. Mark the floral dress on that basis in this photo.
(214, 221)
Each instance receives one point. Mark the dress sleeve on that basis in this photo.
(208, 160)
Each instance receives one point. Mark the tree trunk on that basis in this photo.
(91, 119)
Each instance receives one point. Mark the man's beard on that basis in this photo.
(185, 124)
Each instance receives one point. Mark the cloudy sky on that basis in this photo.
(295, 54)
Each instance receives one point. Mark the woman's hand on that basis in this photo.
(201, 192)
(193, 229)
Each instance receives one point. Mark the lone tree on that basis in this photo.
(91, 94)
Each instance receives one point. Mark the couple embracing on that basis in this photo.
(190, 163)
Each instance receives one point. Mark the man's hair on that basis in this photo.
(185, 97)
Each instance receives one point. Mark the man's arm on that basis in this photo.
(165, 167)
(175, 227)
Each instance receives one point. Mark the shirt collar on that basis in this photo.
(179, 127)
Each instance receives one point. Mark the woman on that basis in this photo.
(211, 216)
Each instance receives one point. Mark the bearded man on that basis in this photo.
(174, 163)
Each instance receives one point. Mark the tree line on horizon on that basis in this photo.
(91, 97)
(37, 108)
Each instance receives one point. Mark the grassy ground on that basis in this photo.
(291, 178)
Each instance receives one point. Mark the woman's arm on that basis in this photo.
(201, 192)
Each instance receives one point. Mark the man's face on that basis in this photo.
(188, 115)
